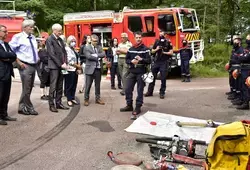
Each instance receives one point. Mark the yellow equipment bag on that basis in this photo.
(229, 148)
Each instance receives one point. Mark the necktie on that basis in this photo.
(2, 43)
(98, 62)
(33, 49)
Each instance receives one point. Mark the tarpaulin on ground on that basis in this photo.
(166, 127)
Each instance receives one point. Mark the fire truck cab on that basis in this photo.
(177, 23)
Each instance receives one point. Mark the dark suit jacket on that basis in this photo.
(57, 54)
(91, 61)
(6, 60)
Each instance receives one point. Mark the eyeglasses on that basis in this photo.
(4, 31)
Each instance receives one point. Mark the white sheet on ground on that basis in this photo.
(166, 127)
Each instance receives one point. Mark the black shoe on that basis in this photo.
(122, 93)
(187, 80)
(53, 109)
(2, 122)
(61, 106)
(44, 97)
(24, 111)
(33, 112)
(231, 97)
(75, 102)
(237, 103)
(235, 100)
(128, 108)
(119, 87)
(135, 113)
(8, 118)
(229, 93)
(244, 106)
(162, 96)
(113, 88)
(148, 94)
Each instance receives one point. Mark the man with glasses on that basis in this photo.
(94, 55)
(24, 44)
(122, 51)
(7, 56)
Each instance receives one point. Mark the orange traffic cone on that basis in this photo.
(108, 77)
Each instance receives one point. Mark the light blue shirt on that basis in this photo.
(2, 43)
(20, 44)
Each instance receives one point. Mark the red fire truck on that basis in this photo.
(178, 23)
(12, 19)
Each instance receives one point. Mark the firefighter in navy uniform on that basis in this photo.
(245, 70)
(138, 59)
(185, 54)
(162, 52)
(235, 83)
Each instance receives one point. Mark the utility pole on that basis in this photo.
(204, 18)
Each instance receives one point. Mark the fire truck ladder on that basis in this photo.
(10, 12)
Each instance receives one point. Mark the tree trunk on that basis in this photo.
(204, 19)
(218, 21)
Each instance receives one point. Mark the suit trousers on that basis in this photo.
(5, 86)
(27, 77)
(123, 70)
(56, 87)
(89, 80)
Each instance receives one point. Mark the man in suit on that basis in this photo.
(24, 44)
(7, 56)
(56, 63)
(94, 54)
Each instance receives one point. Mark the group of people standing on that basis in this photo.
(239, 71)
(58, 62)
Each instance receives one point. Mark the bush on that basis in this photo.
(216, 56)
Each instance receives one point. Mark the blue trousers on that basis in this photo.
(163, 68)
(132, 79)
(185, 68)
(245, 89)
(70, 84)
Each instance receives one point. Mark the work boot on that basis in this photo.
(127, 108)
(183, 79)
(229, 93)
(231, 97)
(188, 79)
(148, 94)
(135, 113)
(244, 106)
(237, 102)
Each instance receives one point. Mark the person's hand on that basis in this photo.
(134, 61)
(64, 66)
(22, 65)
(138, 58)
(94, 55)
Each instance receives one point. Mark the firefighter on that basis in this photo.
(237, 52)
(185, 54)
(138, 59)
(245, 69)
(162, 52)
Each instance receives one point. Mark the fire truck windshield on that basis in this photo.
(188, 20)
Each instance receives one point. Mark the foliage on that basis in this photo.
(216, 56)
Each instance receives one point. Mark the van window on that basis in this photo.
(163, 19)
(149, 22)
(134, 23)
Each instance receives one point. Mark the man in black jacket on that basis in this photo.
(56, 63)
(7, 57)
(137, 59)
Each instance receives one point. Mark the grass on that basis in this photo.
(216, 56)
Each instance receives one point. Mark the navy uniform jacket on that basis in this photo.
(186, 53)
(236, 54)
(159, 57)
(141, 51)
(245, 59)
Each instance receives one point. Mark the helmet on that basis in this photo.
(248, 81)
(148, 77)
(235, 73)
(227, 66)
